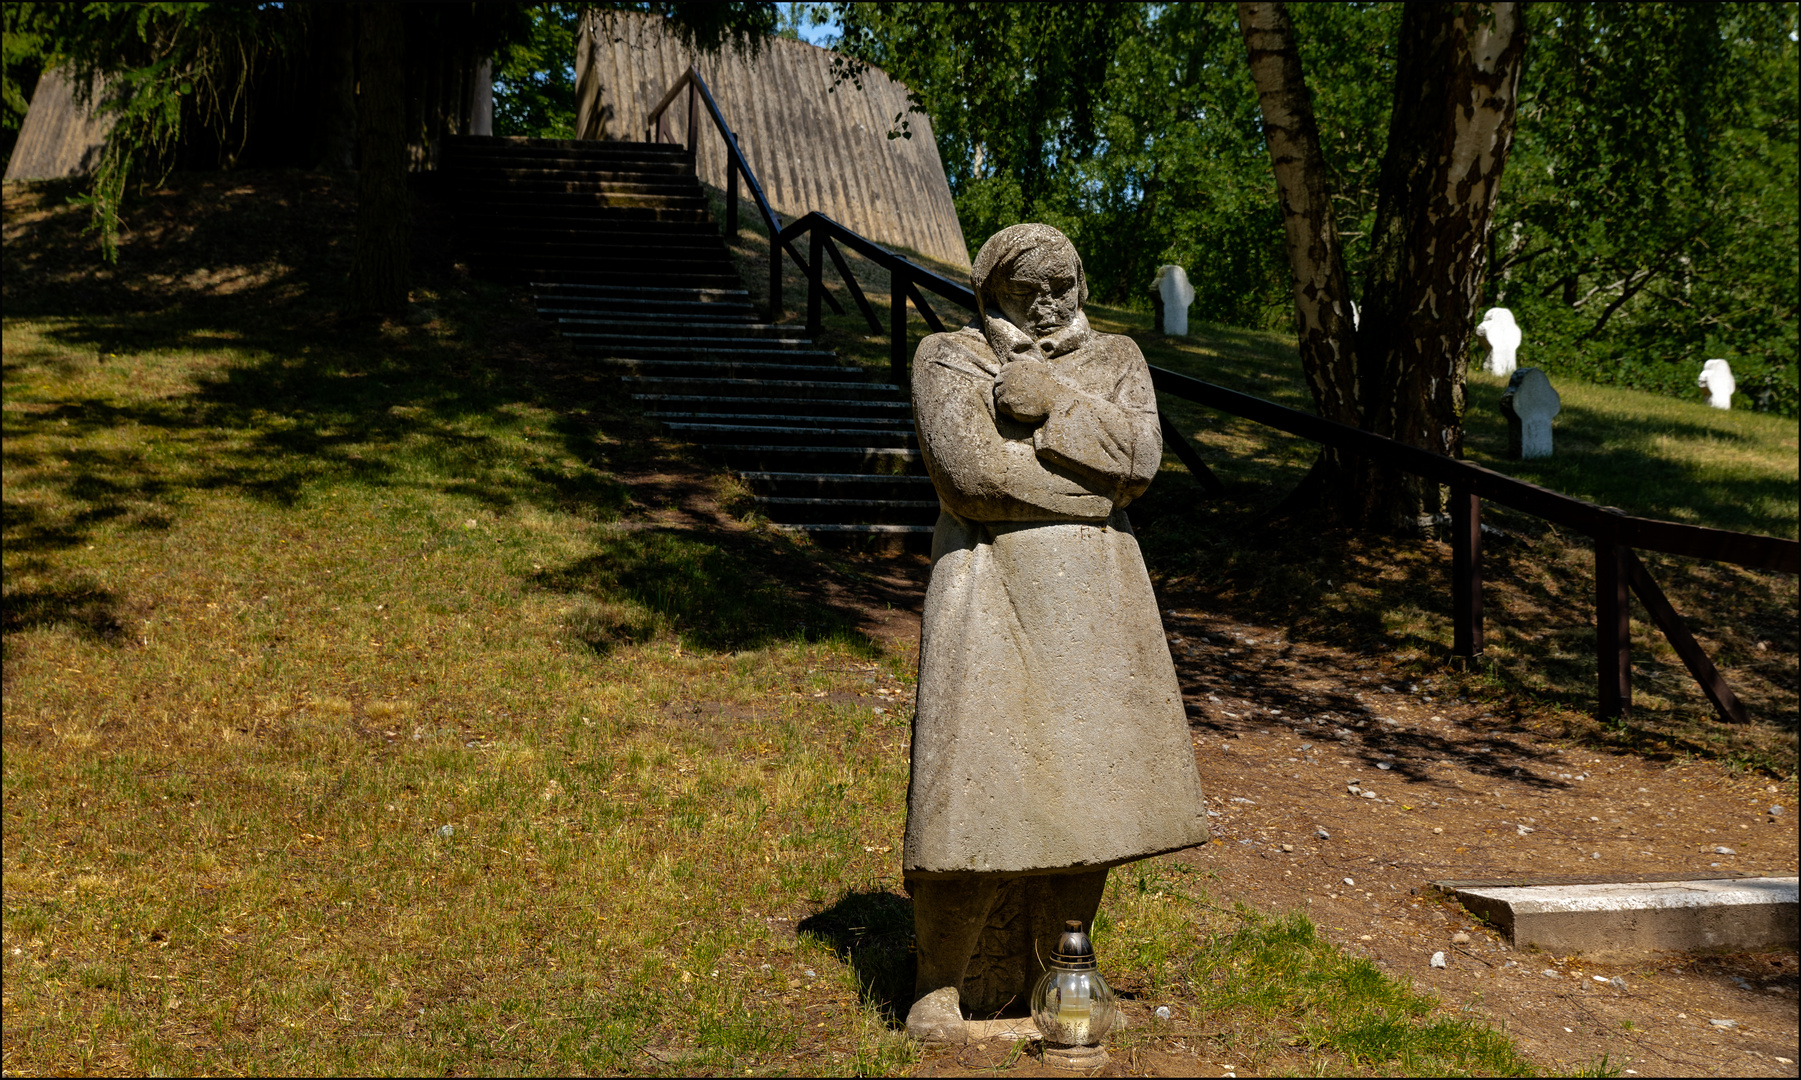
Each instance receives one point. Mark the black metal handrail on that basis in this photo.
(1615, 534)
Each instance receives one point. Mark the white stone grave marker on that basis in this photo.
(1172, 287)
(1503, 337)
(1529, 403)
(1716, 378)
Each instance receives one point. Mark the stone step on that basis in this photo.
(674, 346)
(624, 170)
(576, 183)
(577, 271)
(776, 457)
(501, 240)
(511, 201)
(798, 435)
(805, 363)
(578, 290)
(677, 329)
(869, 423)
(728, 368)
(841, 409)
(789, 510)
(514, 147)
(691, 315)
(1632, 918)
(907, 487)
(621, 250)
(585, 226)
(594, 257)
(745, 389)
(864, 537)
(591, 213)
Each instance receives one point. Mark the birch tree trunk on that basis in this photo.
(1323, 327)
(1456, 88)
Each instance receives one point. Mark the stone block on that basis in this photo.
(1639, 917)
(1529, 403)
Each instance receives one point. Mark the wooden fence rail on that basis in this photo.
(1615, 534)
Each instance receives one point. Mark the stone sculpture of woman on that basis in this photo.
(1050, 741)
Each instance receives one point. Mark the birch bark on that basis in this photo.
(1456, 89)
(1323, 327)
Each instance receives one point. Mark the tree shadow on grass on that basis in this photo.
(717, 591)
(230, 293)
(873, 933)
(252, 265)
(1389, 600)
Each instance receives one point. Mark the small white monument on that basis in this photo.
(1175, 294)
(1716, 378)
(1529, 402)
(1503, 337)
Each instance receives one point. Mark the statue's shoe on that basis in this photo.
(937, 1019)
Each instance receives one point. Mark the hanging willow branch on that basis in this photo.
(152, 68)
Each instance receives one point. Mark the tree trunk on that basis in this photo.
(334, 68)
(1322, 312)
(378, 273)
(1456, 87)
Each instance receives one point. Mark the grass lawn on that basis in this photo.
(371, 707)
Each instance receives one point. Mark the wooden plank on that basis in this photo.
(856, 291)
(59, 137)
(807, 269)
(1466, 573)
(897, 326)
(1713, 684)
(815, 267)
(925, 309)
(775, 273)
(1186, 453)
(1744, 549)
(1613, 633)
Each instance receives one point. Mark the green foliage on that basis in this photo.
(1646, 221)
(534, 76)
(151, 67)
(1648, 218)
(23, 54)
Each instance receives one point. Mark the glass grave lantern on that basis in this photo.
(1072, 1005)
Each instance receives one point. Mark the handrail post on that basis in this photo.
(897, 324)
(775, 272)
(1613, 631)
(731, 192)
(1466, 573)
(693, 126)
(815, 279)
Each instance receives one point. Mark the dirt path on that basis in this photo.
(1282, 730)
(1470, 791)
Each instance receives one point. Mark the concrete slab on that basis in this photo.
(1623, 918)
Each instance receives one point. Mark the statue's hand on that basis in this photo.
(1026, 390)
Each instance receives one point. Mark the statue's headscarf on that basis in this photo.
(996, 262)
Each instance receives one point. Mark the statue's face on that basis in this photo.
(1041, 296)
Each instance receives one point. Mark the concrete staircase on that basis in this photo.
(618, 246)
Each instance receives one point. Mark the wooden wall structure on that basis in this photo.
(811, 147)
(59, 137)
